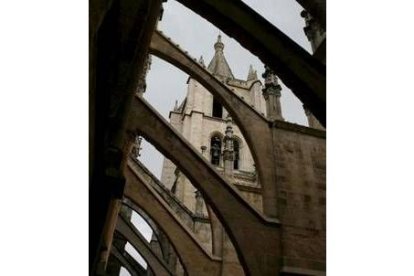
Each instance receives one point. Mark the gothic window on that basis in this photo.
(236, 149)
(217, 108)
(215, 150)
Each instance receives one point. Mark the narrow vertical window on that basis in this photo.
(215, 150)
(217, 108)
(236, 149)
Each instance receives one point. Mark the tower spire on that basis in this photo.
(218, 65)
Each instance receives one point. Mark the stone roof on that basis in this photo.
(218, 65)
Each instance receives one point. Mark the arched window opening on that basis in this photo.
(217, 108)
(236, 149)
(215, 150)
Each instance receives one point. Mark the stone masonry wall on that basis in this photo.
(301, 178)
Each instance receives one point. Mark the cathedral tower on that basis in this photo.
(207, 125)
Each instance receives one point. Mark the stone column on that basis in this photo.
(228, 153)
(271, 93)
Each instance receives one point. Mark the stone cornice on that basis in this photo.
(298, 128)
(244, 188)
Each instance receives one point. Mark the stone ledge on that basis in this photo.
(303, 266)
(298, 128)
(249, 189)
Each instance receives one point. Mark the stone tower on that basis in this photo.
(206, 124)
(203, 121)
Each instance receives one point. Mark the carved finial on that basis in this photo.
(272, 93)
(176, 105)
(201, 61)
(252, 75)
(219, 46)
(270, 77)
(137, 147)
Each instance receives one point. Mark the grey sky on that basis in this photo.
(166, 84)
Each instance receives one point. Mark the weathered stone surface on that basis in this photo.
(128, 230)
(118, 44)
(289, 159)
(250, 122)
(302, 73)
(242, 222)
(195, 259)
(300, 170)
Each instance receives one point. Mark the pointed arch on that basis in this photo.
(193, 256)
(135, 238)
(248, 119)
(299, 70)
(241, 220)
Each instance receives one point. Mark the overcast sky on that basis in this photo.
(166, 84)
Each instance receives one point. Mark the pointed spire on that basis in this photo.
(252, 74)
(201, 61)
(218, 65)
(219, 46)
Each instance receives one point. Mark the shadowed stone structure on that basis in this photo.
(128, 230)
(275, 226)
(302, 73)
(127, 261)
(224, 199)
(244, 115)
(195, 259)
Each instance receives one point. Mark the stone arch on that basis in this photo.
(123, 263)
(240, 219)
(249, 120)
(299, 70)
(129, 232)
(192, 255)
(124, 259)
(216, 133)
(154, 227)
